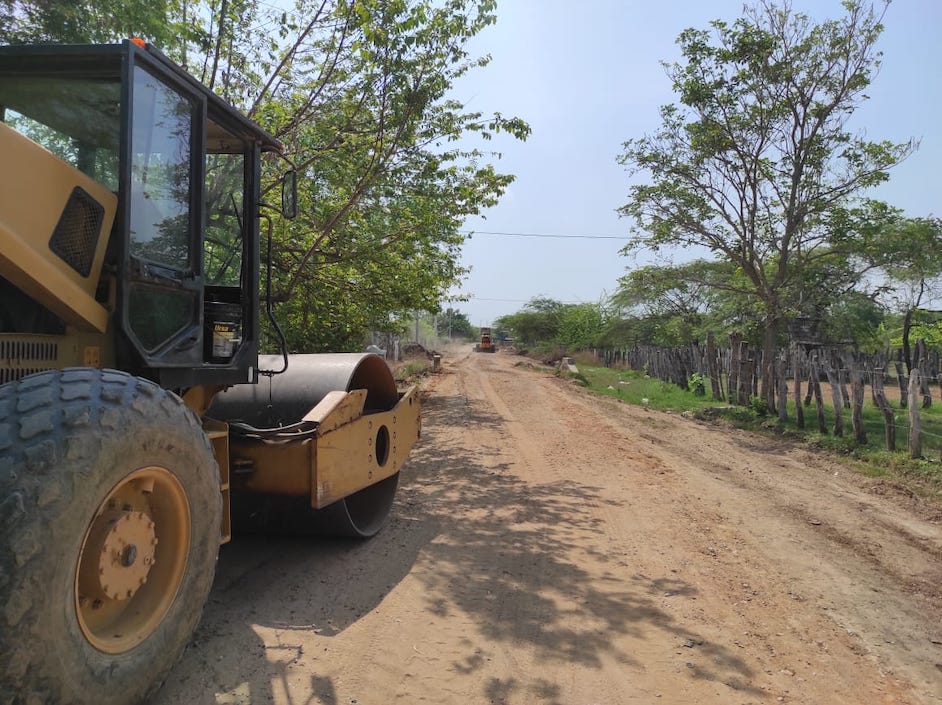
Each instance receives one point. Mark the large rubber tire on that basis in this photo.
(69, 441)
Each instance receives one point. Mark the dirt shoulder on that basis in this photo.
(549, 546)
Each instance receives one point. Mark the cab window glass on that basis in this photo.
(158, 314)
(225, 217)
(75, 118)
(160, 215)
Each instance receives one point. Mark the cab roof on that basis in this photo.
(105, 61)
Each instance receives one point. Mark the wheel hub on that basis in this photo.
(132, 560)
(127, 554)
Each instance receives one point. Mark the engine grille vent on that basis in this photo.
(11, 375)
(20, 358)
(20, 350)
(76, 235)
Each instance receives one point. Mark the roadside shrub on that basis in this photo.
(697, 384)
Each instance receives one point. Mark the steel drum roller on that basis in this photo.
(284, 399)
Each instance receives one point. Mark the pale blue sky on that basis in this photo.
(587, 76)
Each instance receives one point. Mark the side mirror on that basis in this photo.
(289, 194)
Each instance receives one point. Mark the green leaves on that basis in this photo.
(755, 155)
(358, 90)
(755, 162)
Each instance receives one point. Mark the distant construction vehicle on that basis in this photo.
(487, 343)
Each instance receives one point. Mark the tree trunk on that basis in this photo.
(907, 324)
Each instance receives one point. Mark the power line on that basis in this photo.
(473, 297)
(546, 235)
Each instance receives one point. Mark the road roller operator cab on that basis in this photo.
(129, 217)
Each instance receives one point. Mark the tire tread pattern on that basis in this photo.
(52, 425)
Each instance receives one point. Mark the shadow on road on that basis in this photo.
(283, 585)
(509, 554)
(506, 554)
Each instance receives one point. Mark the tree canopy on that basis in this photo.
(758, 157)
(360, 92)
(545, 321)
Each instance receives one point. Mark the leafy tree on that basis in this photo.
(581, 326)
(82, 21)
(913, 265)
(682, 302)
(857, 319)
(758, 153)
(452, 323)
(545, 321)
(359, 91)
(538, 322)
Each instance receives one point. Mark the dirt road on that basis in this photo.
(552, 547)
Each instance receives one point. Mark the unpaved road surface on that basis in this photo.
(549, 546)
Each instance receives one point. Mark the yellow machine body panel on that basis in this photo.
(365, 449)
(350, 451)
(54, 227)
(24, 354)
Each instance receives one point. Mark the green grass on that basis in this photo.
(636, 388)
(871, 459)
(411, 371)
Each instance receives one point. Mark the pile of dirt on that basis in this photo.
(417, 350)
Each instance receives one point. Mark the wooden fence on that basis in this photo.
(732, 374)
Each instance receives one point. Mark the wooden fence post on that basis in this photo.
(782, 397)
(857, 392)
(834, 382)
(915, 442)
(889, 421)
(796, 370)
(713, 369)
(747, 371)
(818, 401)
(732, 376)
(926, 373)
(811, 373)
(903, 385)
(842, 383)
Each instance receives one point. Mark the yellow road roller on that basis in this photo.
(138, 421)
